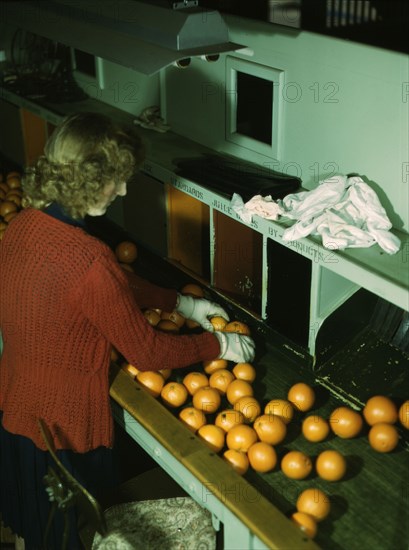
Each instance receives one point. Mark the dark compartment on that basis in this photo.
(237, 262)
(288, 299)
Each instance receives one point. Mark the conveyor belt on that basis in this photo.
(370, 506)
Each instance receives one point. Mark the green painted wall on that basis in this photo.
(122, 88)
(344, 108)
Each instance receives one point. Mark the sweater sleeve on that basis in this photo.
(147, 294)
(108, 303)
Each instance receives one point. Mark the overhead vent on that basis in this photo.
(144, 36)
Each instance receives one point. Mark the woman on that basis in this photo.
(64, 302)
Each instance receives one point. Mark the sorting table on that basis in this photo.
(249, 520)
(368, 507)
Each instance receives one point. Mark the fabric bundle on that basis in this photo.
(344, 211)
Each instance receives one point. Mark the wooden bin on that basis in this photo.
(238, 252)
(189, 233)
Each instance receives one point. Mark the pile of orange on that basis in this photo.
(217, 402)
(11, 194)
(381, 414)
(172, 321)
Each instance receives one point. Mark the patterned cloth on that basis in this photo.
(172, 524)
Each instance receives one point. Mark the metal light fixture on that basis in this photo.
(145, 36)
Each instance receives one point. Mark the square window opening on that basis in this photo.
(84, 63)
(254, 115)
(253, 106)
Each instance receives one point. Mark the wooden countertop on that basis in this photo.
(259, 515)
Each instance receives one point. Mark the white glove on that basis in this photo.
(199, 310)
(235, 347)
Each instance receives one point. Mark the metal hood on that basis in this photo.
(145, 36)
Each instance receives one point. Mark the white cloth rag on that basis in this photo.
(346, 212)
(265, 207)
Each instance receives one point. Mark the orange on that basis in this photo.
(331, 465)
(238, 327)
(237, 389)
(380, 408)
(238, 460)
(345, 422)
(6, 207)
(152, 316)
(152, 381)
(165, 325)
(314, 502)
(192, 418)
(126, 252)
(228, 418)
(281, 408)
(13, 174)
(165, 373)
(404, 414)
(207, 399)
(241, 437)
(14, 197)
(195, 380)
(249, 406)
(191, 324)
(220, 379)
(192, 289)
(14, 182)
(262, 457)
(383, 437)
(213, 436)
(174, 394)
(114, 355)
(16, 191)
(244, 371)
(215, 364)
(131, 370)
(10, 216)
(127, 267)
(174, 316)
(270, 428)
(315, 428)
(306, 523)
(302, 396)
(218, 322)
(296, 465)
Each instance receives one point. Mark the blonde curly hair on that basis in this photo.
(85, 152)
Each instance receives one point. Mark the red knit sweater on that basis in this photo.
(64, 301)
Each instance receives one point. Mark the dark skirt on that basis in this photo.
(24, 504)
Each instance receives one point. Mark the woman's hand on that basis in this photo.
(236, 347)
(199, 310)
